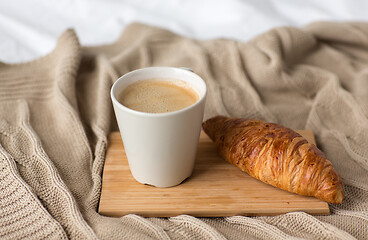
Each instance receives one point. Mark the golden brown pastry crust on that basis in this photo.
(275, 155)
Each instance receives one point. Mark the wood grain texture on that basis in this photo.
(216, 188)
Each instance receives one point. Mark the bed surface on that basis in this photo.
(29, 29)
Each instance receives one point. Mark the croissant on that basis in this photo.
(276, 155)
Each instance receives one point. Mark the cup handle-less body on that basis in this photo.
(160, 148)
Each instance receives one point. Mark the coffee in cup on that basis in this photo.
(158, 95)
(160, 133)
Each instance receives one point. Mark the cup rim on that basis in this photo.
(157, 115)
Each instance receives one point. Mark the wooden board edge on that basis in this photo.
(314, 212)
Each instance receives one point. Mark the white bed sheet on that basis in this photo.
(29, 29)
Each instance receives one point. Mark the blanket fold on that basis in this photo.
(56, 113)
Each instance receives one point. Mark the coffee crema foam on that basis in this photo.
(158, 95)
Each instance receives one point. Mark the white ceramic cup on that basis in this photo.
(160, 147)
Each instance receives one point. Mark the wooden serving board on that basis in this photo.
(216, 188)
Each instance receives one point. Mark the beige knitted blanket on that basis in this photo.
(55, 115)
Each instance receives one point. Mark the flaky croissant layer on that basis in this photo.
(275, 155)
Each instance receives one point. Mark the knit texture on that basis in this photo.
(56, 113)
